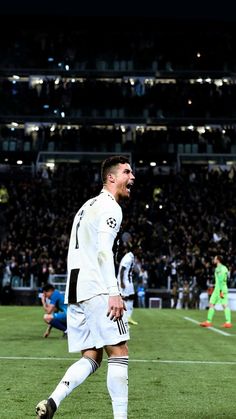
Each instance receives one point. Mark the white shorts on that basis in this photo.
(88, 325)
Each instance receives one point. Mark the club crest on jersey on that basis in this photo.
(111, 222)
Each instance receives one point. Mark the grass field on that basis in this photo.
(177, 369)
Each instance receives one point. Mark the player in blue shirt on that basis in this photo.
(55, 308)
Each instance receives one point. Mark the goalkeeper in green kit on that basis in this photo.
(219, 295)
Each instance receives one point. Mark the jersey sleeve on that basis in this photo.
(127, 260)
(110, 221)
(53, 299)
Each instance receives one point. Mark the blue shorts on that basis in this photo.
(61, 315)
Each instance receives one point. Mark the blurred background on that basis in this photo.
(158, 86)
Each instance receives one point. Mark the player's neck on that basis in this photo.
(111, 190)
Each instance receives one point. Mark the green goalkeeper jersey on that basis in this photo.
(221, 276)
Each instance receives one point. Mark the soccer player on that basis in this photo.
(125, 280)
(55, 308)
(96, 316)
(220, 294)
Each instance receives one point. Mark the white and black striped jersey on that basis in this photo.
(127, 263)
(90, 261)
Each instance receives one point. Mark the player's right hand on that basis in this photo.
(221, 294)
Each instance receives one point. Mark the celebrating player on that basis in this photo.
(96, 316)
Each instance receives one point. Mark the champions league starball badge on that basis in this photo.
(111, 222)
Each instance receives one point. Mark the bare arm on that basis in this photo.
(49, 308)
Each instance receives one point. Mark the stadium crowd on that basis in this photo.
(106, 90)
(97, 88)
(129, 96)
(163, 141)
(143, 44)
(180, 221)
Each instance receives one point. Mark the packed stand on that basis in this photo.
(180, 221)
(142, 44)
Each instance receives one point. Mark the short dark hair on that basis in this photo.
(111, 162)
(220, 258)
(48, 287)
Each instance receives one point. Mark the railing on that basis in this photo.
(58, 281)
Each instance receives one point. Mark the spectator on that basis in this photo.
(175, 294)
(185, 295)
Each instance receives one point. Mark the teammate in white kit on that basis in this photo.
(96, 316)
(125, 280)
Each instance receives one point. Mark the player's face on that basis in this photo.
(124, 180)
(47, 294)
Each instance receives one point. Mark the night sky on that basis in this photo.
(203, 10)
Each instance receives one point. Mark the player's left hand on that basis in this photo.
(116, 307)
(221, 294)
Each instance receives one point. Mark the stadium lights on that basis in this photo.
(19, 162)
(153, 163)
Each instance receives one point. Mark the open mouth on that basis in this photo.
(129, 186)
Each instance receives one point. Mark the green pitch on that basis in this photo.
(177, 369)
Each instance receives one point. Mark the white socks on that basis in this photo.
(74, 376)
(117, 384)
(129, 306)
